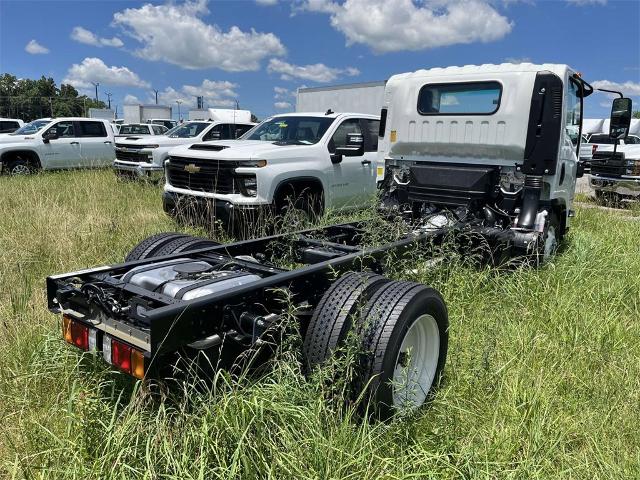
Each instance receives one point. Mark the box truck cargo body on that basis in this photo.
(102, 113)
(142, 113)
(354, 97)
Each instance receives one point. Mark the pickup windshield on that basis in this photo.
(188, 130)
(292, 130)
(31, 127)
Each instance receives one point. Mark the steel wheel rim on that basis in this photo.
(416, 363)
(20, 170)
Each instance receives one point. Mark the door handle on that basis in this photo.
(366, 162)
(74, 143)
(107, 141)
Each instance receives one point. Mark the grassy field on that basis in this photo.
(542, 379)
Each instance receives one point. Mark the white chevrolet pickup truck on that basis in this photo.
(144, 157)
(306, 162)
(69, 142)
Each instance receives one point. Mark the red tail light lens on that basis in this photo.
(121, 355)
(594, 147)
(75, 333)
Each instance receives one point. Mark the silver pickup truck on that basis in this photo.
(618, 175)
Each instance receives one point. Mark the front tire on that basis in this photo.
(19, 167)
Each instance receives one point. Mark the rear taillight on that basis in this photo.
(75, 333)
(122, 356)
(594, 147)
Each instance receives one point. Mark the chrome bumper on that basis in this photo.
(141, 170)
(629, 186)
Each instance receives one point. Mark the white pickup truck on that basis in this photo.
(308, 161)
(144, 157)
(68, 142)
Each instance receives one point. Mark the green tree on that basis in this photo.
(636, 114)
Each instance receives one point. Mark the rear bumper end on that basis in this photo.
(629, 186)
(149, 171)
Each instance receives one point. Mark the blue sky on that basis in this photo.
(259, 52)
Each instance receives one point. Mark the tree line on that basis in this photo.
(29, 99)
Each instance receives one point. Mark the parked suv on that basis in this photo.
(144, 157)
(306, 161)
(72, 142)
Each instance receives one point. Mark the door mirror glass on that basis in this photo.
(620, 118)
(49, 135)
(354, 146)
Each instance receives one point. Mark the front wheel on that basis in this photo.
(19, 167)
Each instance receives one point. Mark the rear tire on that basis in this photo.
(404, 343)
(147, 247)
(333, 316)
(184, 244)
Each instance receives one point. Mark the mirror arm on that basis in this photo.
(611, 91)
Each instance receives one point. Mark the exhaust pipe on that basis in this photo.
(530, 201)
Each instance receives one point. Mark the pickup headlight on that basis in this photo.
(252, 163)
(248, 185)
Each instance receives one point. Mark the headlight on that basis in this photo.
(253, 163)
(248, 185)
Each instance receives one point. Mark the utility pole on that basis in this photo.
(109, 99)
(237, 104)
(156, 94)
(179, 102)
(96, 84)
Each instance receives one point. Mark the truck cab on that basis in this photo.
(487, 145)
(144, 157)
(305, 162)
(60, 143)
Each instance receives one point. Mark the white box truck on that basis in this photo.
(143, 113)
(355, 97)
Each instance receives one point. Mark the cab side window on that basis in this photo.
(241, 129)
(216, 133)
(63, 129)
(372, 128)
(339, 138)
(91, 129)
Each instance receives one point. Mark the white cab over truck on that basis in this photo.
(71, 142)
(487, 145)
(307, 161)
(144, 157)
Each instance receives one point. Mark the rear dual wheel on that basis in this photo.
(402, 331)
(166, 243)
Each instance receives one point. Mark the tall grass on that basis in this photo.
(542, 379)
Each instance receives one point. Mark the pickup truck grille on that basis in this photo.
(610, 167)
(131, 156)
(213, 176)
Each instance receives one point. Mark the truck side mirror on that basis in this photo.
(354, 146)
(620, 118)
(216, 135)
(49, 135)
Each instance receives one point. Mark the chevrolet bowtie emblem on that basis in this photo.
(192, 168)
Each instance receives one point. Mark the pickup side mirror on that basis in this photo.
(354, 146)
(620, 118)
(216, 135)
(49, 135)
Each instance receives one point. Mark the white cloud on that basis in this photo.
(282, 93)
(216, 94)
(318, 72)
(34, 48)
(582, 3)
(627, 88)
(282, 105)
(175, 33)
(396, 25)
(82, 35)
(517, 60)
(131, 100)
(94, 70)
(267, 2)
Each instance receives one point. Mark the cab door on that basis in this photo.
(350, 177)
(96, 147)
(64, 151)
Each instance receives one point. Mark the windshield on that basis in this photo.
(31, 127)
(188, 130)
(134, 130)
(295, 130)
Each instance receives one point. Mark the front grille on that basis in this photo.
(203, 175)
(610, 167)
(131, 156)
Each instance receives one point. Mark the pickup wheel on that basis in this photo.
(333, 316)
(19, 167)
(147, 248)
(296, 206)
(404, 334)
